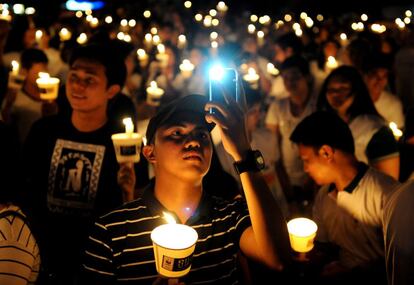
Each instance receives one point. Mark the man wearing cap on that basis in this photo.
(348, 208)
(179, 147)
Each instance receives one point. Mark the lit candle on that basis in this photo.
(186, 68)
(252, 77)
(15, 67)
(5, 15)
(127, 145)
(82, 39)
(302, 232)
(65, 34)
(271, 69)
(48, 86)
(182, 41)
(142, 57)
(173, 246)
(260, 38)
(154, 94)
(16, 80)
(395, 130)
(221, 7)
(39, 35)
(331, 62)
(161, 56)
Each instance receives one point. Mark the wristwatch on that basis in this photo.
(253, 161)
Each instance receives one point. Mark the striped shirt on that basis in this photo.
(119, 249)
(19, 253)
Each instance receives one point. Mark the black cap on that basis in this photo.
(324, 128)
(191, 105)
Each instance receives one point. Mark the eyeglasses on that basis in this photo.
(343, 91)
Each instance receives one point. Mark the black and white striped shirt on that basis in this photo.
(19, 253)
(119, 249)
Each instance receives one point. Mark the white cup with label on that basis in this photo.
(127, 145)
(174, 246)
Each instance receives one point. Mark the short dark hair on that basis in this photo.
(32, 56)
(296, 61)
(290, 40)
(324, 128)
(115, 69)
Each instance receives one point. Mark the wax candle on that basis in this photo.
(186, 68)
(154, 94)
(251, 77)
(302, 232)
(48, 86)
(142, 57)
(173, 246)
(331, 62)
(65, 34)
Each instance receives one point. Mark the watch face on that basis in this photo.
(259, 159)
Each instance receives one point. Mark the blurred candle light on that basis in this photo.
(65, 34)
(154, 94)
(182, 41)
(252, 78)
(154, 30)
(82, 39)
(147, 14)
(15, 67)
(260, 38)
(213, 35)
(331, 63)
(253, 18)
(215, 22)
(129, 126)
(222, 7)
(271, 69)
(5, 15)
(38, 36)
(142, 57)
(186, 68)
(79, 14)
(364, 17)
(108, 19)
(188, 4)
(156, 39)
(251, 28)
(198, 17)
(212, 12)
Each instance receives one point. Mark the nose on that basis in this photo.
(192, 141)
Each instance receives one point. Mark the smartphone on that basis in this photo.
(223, 80)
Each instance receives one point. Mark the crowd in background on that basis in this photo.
(289, 66)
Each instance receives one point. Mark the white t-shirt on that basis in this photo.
(390, 107)
(279, 113)
(353, 221)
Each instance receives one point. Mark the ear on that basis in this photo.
(149, 152)
(326, 152)
(113, 90)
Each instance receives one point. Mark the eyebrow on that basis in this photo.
(89, 71)
(183, 125)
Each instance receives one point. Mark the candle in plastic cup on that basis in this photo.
(154, 94)
(48, 86)
(186, 68)
(127, 145)
(173, 246)
(252, 78)
(16, 80)
(302, 232)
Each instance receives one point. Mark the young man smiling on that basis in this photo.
(71, 165)
(180, 149)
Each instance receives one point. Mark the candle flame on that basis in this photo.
(44, 75)
(251, 71)
(161, 48)
(169, 218)
(141, 52)
(153, 84)
(302, 227)
(15, 65)
(129, 126)
(395, 130)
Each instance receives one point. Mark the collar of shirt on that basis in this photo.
(362, 169)
(156, 208)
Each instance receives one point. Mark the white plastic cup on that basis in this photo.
(173, 246)
(302, 232)
(127, 147)
(48, 87)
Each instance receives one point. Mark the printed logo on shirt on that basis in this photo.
(74, 176)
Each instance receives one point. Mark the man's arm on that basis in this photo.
(267, 240)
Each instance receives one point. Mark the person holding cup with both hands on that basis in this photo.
(120, 249)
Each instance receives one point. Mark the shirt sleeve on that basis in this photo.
(382, 145)
(98, 264)
(243, 218)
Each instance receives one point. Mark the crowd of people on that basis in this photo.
(322, 128)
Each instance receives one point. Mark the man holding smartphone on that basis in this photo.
(180, 149)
